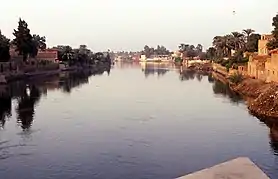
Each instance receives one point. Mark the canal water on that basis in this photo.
(139, 121)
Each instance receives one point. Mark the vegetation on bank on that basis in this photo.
(273, 44)
(28, 45)
(4, 48)
(159, 50)
(236, 78)
(228, 50)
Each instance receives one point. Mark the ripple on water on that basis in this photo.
(8, 150)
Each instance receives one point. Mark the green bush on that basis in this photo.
(236, 78)
(178, 59)
(244, 60)
(235, 66)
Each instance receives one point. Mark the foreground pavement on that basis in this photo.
(240, 168)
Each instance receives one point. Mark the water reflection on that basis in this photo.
(272, 124)
(67, 140)
(26, 104)
(224, 90)
(219, 87)
(27, 94)
(5, 109)
(187, 75)
(159, 69)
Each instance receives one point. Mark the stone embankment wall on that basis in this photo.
(242, 69)
(220, 69)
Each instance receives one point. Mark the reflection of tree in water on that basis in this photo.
(159, 72)
(108, 71)
(210, 78)
(26, 105)
(199, 77)
(187, 75)
(151, 69)
(224, 89)
(76, 79)
(5, 109)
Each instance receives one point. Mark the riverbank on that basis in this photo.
(10, 77)
(261, 97)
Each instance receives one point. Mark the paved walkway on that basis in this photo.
(240, 168)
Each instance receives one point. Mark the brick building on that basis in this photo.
(48, 54)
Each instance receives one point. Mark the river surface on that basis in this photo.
(134, 121)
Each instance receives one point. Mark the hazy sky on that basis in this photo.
(130, 24)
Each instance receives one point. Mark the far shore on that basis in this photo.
(10, 77)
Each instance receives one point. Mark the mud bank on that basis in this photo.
(262, 98)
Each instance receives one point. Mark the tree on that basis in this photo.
(247, 33)
(183, 47)
(273, 44)
(4, 48)
(238, 41)
(161, 50)
(191, 52)
(252, 43)
(211, 53)
(65, 53)
(82, 54)
(23, 40)
(147, 51)
(68, 54)
(199, 48)
(223, 45)
(37, 43)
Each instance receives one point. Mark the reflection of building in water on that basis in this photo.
(155, 68)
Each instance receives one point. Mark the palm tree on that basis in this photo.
(211, 53)
(248, 32)
(238, 41)
(183, 47)
(199, 48)
(223, 45)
